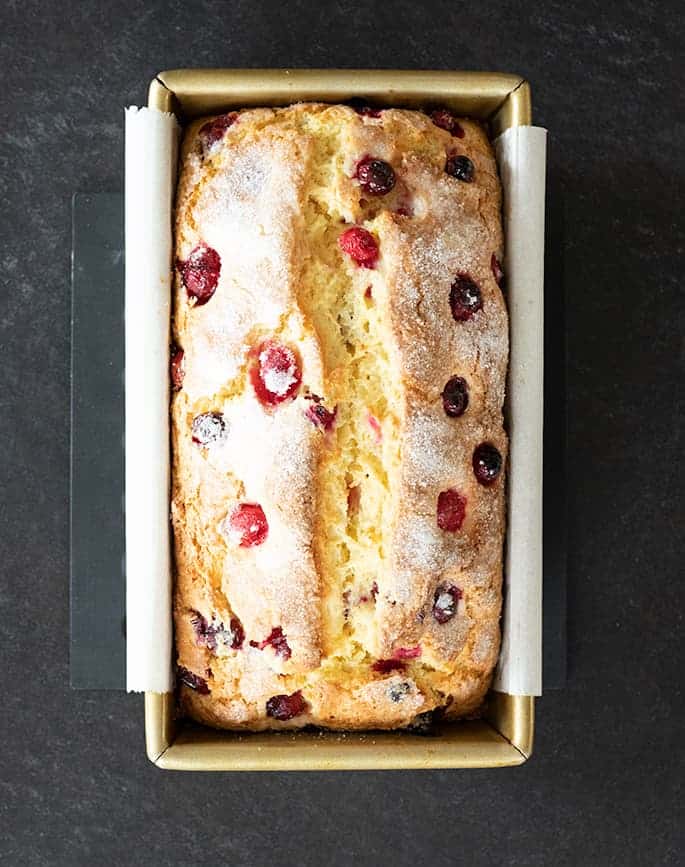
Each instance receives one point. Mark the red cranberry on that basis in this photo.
(446, 602)
(247, 525)
(176, 365)
(277, 375)
(363, 109)
(209, 428)
(487, 463)
(407, 652)
(200, 273)
(375, 426)
(465, 298)
(451, 510)
(385, 666)
(455, 396)
(460, 167)
(376, 177)
(497, 271)
(360, 245)
(285, 707)
(194, 681)
(276, 640)
(320, 416)
(368, 292)
(445, 120)
(213, 131)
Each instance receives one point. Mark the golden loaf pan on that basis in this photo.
(504, 736)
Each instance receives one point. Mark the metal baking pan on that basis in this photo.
(504, 735)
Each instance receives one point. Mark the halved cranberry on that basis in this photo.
(376, 177)
(200, 273)
(210, 635)
(497, 271)
(205, 633)
(276, 375)
(276, 640)
(465, 298)
(407, 652)
(446, 602)
(445, 120)
(194, 681)
(213, 131)
(176, 366)
(285, 707)
(460, 167)
(451, 510)
(384, 666)
(360, 245)
(247, 525)
(487, 463)
(320, 416)
(209, 428)
(455, 396)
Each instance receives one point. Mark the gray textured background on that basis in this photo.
(605, 783)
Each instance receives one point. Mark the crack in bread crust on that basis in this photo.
(354, 556)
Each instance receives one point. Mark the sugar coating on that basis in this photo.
(348, 578)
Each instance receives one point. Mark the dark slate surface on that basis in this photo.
(604, 786)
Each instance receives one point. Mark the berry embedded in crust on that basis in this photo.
(376, 177)
(276, 374)
(451, 510)
(200, 273)
(466, 298)
(487, 463)
(247, 526)
(285, 707)
(455, 396)
(360, 245)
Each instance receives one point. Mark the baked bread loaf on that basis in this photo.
(339, 360)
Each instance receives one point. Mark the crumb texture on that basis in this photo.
(338, 548)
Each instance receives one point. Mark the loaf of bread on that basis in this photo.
(339, 361)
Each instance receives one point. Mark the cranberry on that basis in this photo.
(277, 640)
(213, 131)
(277, 375)
(360, 245)
(445, 120)
(209, 428)
(235, 635)
(363, 109)
(210, 634)
(405, 211)
(371, 595)
(455, 396)
(194, 681)
(375, 426)
(446, 602)
(465, 298)
(487, 463)
(200, 273)
(451, 510)
(407, 652)
(497, 271)
(376, 177)
(368, 293)
(384, 666)
(398, 691)
(460, 167)
(205, 634)
(176, 365)
(247, 525)
(285, 707)
(320, 416)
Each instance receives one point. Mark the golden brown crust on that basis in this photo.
(354, 555)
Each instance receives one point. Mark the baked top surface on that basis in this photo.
(311, 417)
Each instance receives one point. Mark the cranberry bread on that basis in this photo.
(339, 372)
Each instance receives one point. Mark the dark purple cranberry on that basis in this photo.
(213, 131)
(285, 707)
(176, 367)
(455, 396)
(320, 416)
(376, 177)
(447, 121)
(465, 298)
(209, 428)
(399, 691)
(451, 510)
(487, 463)
(446, 602)
(385, 666)
(460, 167)
(364, 109)
(200, 273)
(497, 271)
(194, 681)
(205, 633)
(277, 640)
(236, 634)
